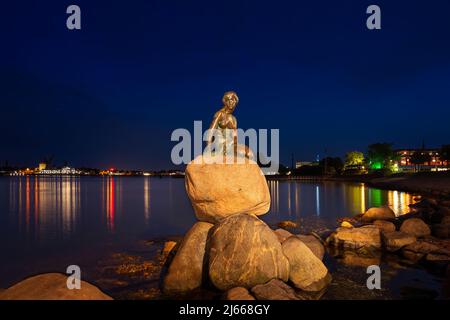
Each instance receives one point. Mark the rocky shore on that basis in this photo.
(231, 254)
(433, 184)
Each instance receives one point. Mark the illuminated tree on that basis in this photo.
(381, 156)
(354, 158)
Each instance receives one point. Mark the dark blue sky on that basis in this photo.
(111, 93)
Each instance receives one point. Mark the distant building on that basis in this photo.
(300, 164)
(433, 161)
(62, 171)
(42, 166)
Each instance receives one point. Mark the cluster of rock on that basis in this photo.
(231, 249)
(419, 236)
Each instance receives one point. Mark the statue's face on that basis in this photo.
(230, 102)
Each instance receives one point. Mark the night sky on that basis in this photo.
(110, 94)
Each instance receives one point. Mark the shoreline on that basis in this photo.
(433, 184)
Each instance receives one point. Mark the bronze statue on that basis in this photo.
(226, 124)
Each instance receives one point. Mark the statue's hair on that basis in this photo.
(230, 93)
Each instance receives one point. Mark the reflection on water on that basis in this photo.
(44, 209)
(45, 205)
(332, 199)
(147, 199)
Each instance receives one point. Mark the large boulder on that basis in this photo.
(274, 290)
(218, 190)
(245, 252)
(51, 286)
(396, 240)
(307, 272)
(186, 270)
(415, 227)
(381, 213)
(356, 238)
(314, 244)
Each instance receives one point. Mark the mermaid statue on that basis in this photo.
(222, 134)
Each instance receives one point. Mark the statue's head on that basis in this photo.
(230, 100)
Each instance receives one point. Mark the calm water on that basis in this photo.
(46, 217)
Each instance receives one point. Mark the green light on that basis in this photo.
(376, 197)
(376, 165)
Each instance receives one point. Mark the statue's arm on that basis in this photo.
(213, 125)
(215, 120)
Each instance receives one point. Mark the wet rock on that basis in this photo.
(245, 252)
(351, 258)
(355, 238)
(274, 290)
(168, 247)
(415, 227)
(238, 293)
(384, 226)
(314, 244)
(445, 220)
(287, 224)
(219, 190)
(282, 234)
(396, 240)
(186, 270)
(307, 272)
(380, 213)
(433, 257)
(346, 224)
(51, 286)
(441, 230)
(417, 250)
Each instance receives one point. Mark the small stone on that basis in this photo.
(396, 240)
(346, 224)
(384, 226)
(238, 293)
(437, 257)
(417, 250)
(274, 290)
(356, 238)
(381, 213)
(287, 224)
(351, 258)
(282, 234)
(415, 227)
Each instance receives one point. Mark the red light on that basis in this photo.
(111, 169)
